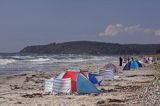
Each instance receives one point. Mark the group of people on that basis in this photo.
(151, 59)
(124, 60)
(148, 60)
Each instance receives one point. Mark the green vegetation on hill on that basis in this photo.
(94, 48)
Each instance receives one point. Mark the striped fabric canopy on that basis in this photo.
(56, 85)
(106, 74)
(62, 85)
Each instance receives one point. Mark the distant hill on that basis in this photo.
(94, 48)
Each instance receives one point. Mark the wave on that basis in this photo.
(22, 57)
(41, 60)
(48, 62)
(53, 58)
(6, 61)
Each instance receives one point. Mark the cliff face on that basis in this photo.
(90, 47)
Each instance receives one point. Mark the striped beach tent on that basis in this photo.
(105, 74)
(56, 85)
(48, 85)
(62, 85)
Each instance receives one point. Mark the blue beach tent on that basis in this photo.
(134, 64)
(139, 64)
(93, 79)
(85, 86)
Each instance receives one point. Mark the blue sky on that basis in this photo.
(32, 22)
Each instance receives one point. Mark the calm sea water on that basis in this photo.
(15, 63)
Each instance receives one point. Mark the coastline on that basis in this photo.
(132, 88)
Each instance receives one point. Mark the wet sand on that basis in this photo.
(133, 88)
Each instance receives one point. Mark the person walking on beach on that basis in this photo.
(120, 61)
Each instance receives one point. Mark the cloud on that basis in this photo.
(118, 29)
(112, 30)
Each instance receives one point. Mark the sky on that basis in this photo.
(37, 22)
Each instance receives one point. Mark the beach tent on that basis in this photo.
(139, 63)
(127, 66)
(62, 85)
(48, 85)
(111, 66)
(105, 74)
(96, 79)
(56, 85)
(134, 64)
(79, 81)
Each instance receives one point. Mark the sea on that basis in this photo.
(14, 63)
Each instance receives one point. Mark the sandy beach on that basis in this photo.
(79, 53)
(133, 88)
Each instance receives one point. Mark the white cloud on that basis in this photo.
(112, 30)
(115, 30)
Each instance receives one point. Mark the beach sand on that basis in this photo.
(133, 88)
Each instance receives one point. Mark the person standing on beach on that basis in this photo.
(128, 59)
(120, 61)
(132, 58)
